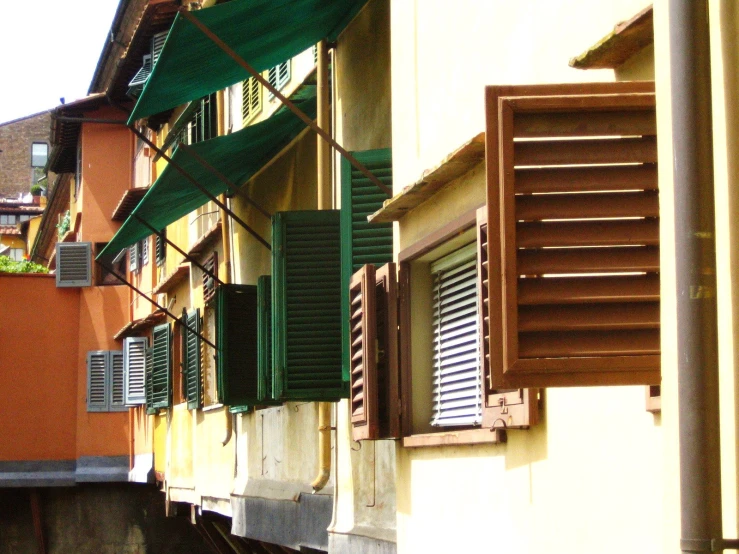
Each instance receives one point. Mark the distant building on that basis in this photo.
(24, 150)
(12, 214)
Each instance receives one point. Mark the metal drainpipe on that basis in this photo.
(324, 203)
(695, 260)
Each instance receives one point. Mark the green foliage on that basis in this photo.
(63, 226)
(36, 190)
(11, 266)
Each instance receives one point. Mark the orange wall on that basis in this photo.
(103, 312)
(38, 368)
(107, 159)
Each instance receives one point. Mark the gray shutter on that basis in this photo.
(145, 251)
(116, 382)
(157, 43)
(457, 393)
(134, 364)
(134, 253)
(97, 364)
(278, 76)
(73, 260)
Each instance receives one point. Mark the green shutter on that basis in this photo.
(148, 386)
(264, 335)
(306, 306)
(236, 339)
(362, 242)
(161, 368)
(191, 360)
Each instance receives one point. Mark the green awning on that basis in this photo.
(237, 156)
(263, 32)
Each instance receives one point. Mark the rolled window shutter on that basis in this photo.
(236, 336)
(573, 182)
(117, 381)
(306, 304)
(134, 367)
(73, 264)
(161, 367)
(362, 242)
(97, 381)
(191, 359)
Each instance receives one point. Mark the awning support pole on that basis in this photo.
(155, 303)
(176, 166)
(189, 258)
(232, 187)
(201, 188)
(285, 101)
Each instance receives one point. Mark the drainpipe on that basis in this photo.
(225, 241)
(695, 258)
(324, 203)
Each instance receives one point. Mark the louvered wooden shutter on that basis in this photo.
(134, 257)
(306, 305)
(157, 44)
(236, 339)
(145, 251)
(161, 248)
(161, 368)
(278, 76)
(375, 378)
(264, 340)
(73, 261)
(362, 242)
(509, 408)
(209, 283)
(97, 371)
(134, 362)
(251, 96)
(149, 382)
(573, 180)
(192, 373)
(117, 382)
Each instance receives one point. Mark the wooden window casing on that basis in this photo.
(572, 194)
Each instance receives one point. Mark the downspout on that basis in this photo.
(226, 242)
(324, 203)
(695, 261)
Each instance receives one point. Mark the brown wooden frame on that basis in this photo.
(506, 368)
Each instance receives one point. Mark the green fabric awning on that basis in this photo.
(237, 156)
(263, 32)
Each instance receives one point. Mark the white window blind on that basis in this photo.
(456, 373)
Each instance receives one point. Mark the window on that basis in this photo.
(204, 123)
(136, 86)
(105, 382)
(16, 254)
(7, 219)
(24, 218)
(145, 252)
(110, 264)
(279, 76)
(251, 99)
(572, 183)
(39, 154)
(209, 282)
(456, 377)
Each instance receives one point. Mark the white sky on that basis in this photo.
(48, 50)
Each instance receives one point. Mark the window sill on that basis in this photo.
(455, 438)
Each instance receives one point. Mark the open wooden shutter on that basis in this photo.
(306, 304)
(264, 340)
(97, 370)
(134, 362)
(375, 378)
(73, 264)
(117, 381)
(362, 242)
(191, 349)
(209, 283)
(161, 368)
(236, 339)
(509, 408)
(148, 385)
(572, 180)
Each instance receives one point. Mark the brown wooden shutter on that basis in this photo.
(375, 376)
(505, 408)
(209, 283)
(572, 194)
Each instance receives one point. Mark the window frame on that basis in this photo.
(46, 156)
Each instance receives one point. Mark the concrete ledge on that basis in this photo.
(102, 469)
(47, 473)
(340, 543)
(284, 522)
(143, 469)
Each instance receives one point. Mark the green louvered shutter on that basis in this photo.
(264, 336)
(362, 242)
(306, 306)
(236, 336)
(191, 360)
(161, 368)
(148, 386)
